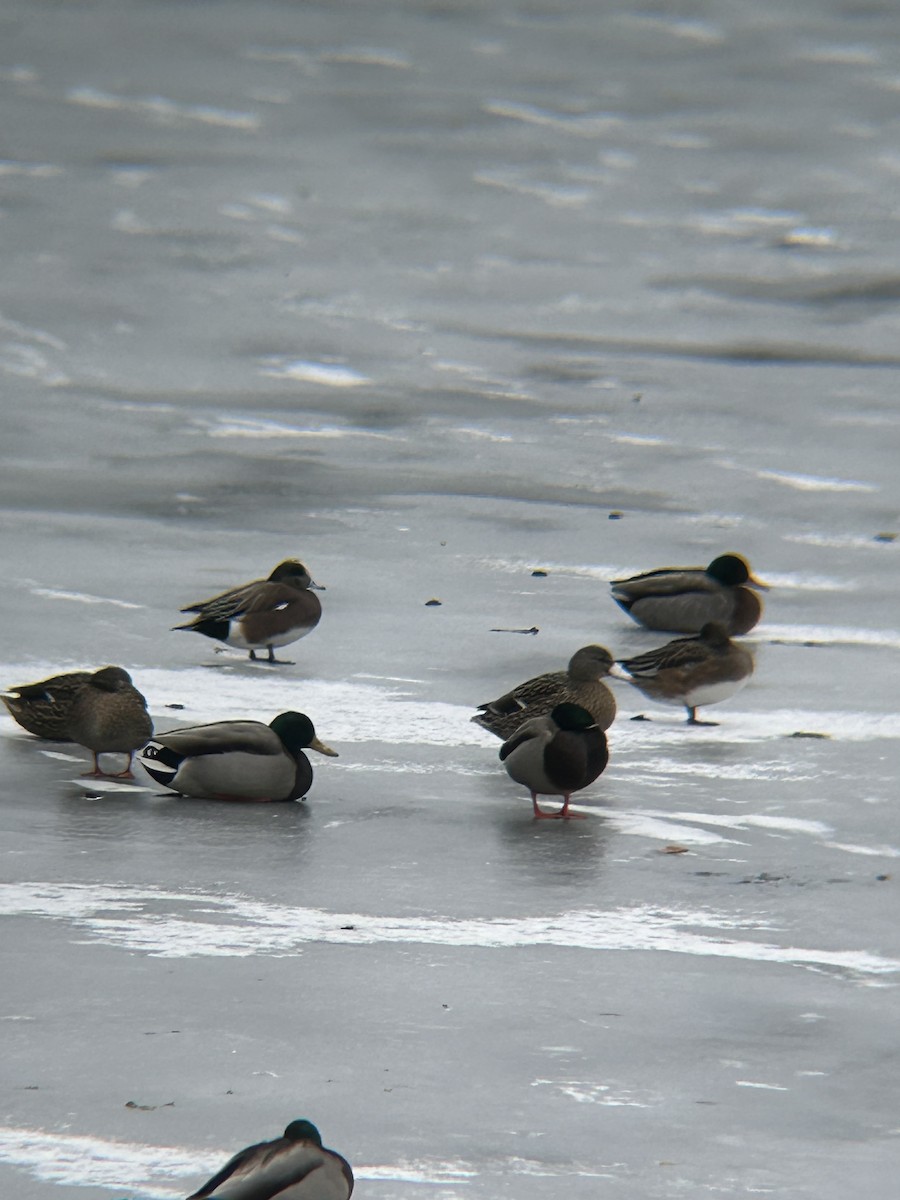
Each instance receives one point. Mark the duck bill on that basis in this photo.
(757, 584)
(316, 744)
(316, 587)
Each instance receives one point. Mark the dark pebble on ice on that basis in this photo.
(540, 573)
(178, 706)
(433, 603)
(885, 537)
(639, 717)
(805, 733)
(615, 515)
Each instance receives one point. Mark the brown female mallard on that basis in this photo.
(581, 683)
(109, 716)
(43, 708)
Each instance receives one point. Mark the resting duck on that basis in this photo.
(236, 760)
(109, 716)
(43, 708)
(293, 1167)
(691, 671)
(556, 755)
(263, 614)
(578, 684)
(684, 599)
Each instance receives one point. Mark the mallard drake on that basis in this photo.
(684, 599)
(236, 760)
(43, 708)
(109, 716)
(556, 755)
(578, 684)
(293, 1167)
(263, 614)
(691, 671)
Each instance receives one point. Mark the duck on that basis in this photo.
(556, 755)
(236, 760)
(684, 599)
(43, 708)
(295, 1166)
(580, 683)
(691, 671)
(262, 614)
(109, 715)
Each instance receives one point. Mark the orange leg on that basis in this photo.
(561, 814)
(99, 773)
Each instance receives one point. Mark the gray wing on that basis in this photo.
(279, 1170)
(669, 581)
(223, 737)
(536, 727)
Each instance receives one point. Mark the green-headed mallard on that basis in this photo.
(684, 599)
(580, 684)
(236, 760)
(43, 708)
(109, 716)
(263, 614)
(692, 671)
(556, 755)
(293, 1167)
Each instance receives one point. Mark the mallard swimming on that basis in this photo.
(109, 716)
(556, 755)
(43, 708)
(692, 671)
(263, 614)
(293, 1167)
(236, 760)
(578, 684)
(683, 599)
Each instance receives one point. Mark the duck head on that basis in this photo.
(303, 1131)
(297, 732)
(573, 718)
(293, 571)
(110, 679)
(731, 570)
(590, 662)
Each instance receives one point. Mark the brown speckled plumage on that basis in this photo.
(579, 684)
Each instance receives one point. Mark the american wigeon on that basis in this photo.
(262, 614)
(691, 671)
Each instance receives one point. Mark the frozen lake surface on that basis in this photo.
(432, 295)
